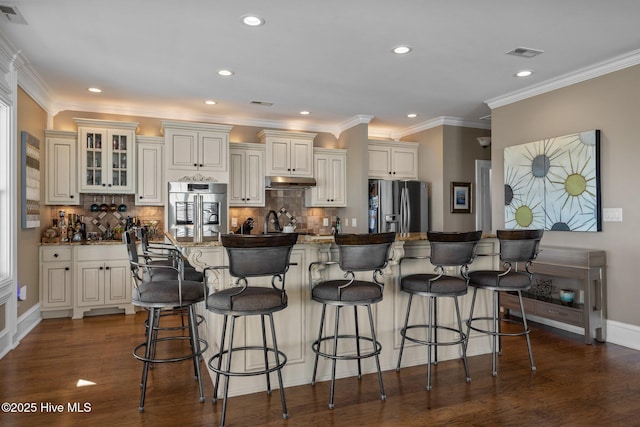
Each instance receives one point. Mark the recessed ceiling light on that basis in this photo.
(225, 73)
(95, 90)
(412, 115)
(252, 20)
(210, 102)
(305, 113)
(401, 50)
(524, 73)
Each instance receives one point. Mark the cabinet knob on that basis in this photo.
(389, 172)
(104, 185)
(107, 267)
(66, 269)
(201, 164)
(289, 169)
(71, 196)
(140, 197)
(394, 173)
(195, 164)
(56, 255)
(100, 268)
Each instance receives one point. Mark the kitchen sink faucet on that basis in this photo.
(276, 224)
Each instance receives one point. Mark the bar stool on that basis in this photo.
(167, 254)
(156, 292)
(358, 253)
(516, 246)
(447, 250)
(251, 256)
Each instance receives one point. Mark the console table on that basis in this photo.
(583, 271)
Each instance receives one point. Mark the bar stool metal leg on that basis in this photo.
(147, 354)
(217, 380)
(526, 332)
(403, 332)
(463, 340)
(228, 369)
(266, 356)
(335, 357)
(195, 347)
(315, 364)
(285, 412)
(377, 349)
(355, 313)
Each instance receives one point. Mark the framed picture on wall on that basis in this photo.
(460, 197)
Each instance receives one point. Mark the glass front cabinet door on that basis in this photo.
(106, 157)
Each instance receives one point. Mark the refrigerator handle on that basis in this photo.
(403, 210)
(407, 208)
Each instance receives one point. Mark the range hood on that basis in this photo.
(288, 183)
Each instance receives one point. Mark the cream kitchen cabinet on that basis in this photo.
(102, 279)
(150, 187)
(288, 153)
(106, 156)
(55, 278)
(393, 160)
(329, 166)
(75, 279)
(196, 147)
(246, 174)
(61, 184)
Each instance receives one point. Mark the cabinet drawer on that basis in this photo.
(559, 313)
(511, 302)
(106, 252)
(55, 253)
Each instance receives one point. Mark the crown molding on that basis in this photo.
(442, 121)
(596, 70)
(31, 82)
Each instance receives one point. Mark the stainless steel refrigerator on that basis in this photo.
(400, 206)
(197, 210)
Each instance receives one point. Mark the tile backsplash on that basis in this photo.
(112, 217)
(292, 201)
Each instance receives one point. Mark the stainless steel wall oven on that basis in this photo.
(197, 210)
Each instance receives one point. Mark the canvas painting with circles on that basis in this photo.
(554, 183)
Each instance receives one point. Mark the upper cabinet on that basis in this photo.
(246, 174)
(61, 168)
(393, 160)
(329, 168)
(150, 186)
(106, 156)
(196, 147)
(288, 153)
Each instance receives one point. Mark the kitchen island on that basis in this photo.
(297, 325)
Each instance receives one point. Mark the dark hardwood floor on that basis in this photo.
(575, 384)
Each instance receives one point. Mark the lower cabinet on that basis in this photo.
(89, 277)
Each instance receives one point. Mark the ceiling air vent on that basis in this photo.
(525, 52)
(263, 103)
(12, 14)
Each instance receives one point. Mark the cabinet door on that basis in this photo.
(61, 183)
(379, 162)
(182, 149)
(56, 285)
(254, 178)
(212, 151)
(92, 160)
(337, 180)
(301, 157)
(404, 163)
(150, 188)
(89, 283)
(120, 152)
(236, 177)
(278, 157)
(117, 282)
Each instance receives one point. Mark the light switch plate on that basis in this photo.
(612, 214)
(354, 222)
(325, 222)
(234, 222)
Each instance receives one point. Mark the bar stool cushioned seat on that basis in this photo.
(358, 253)
(250, 256)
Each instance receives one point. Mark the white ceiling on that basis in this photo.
(332, 57)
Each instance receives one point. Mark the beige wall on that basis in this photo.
(355, 140)
(610, 103)
(447, 154)
(33, 119)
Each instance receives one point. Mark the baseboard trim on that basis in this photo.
(623, 334)
(29, 320)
